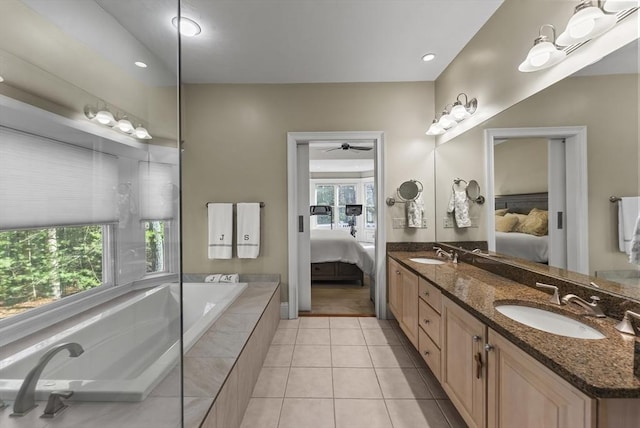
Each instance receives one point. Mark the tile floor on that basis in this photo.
(346, 372)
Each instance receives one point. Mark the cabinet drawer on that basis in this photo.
(430, 321)
(430, 352)
(431, 294)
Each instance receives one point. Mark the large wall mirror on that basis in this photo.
(562, 153)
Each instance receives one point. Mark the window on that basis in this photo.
(39, 266)
(337, 196)
(154, 238)
(369, 206)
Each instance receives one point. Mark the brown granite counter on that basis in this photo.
(601, 368)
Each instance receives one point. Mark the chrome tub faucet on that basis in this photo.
(592, 308)
(25, 400)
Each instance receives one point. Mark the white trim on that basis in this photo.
(577, 179)
(295, 138)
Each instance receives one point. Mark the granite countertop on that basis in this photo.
(601, 368)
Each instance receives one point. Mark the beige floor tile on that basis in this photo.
(307, 413)
(307, 382)
(311, 356)
(263, 413)
(272, 382)
(402, 383)
(390, 356)
(295, 323)
(285, 336)
(355, 383)
(349, 336)
(313, 336)
(416, 357)
(433, 384)
(452, 415)
(416, 413)
(375, 336)
(370, 322)
(344, 322)
(361, 414)
(350, 356)
(314, 322)
(278, 356)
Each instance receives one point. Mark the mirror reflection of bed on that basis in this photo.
(342, 229)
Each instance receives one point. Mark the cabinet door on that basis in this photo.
(410, 299)
(463, 363)
(525, 394)
(394, 276)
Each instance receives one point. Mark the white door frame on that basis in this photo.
(295, 138)
(577, 220)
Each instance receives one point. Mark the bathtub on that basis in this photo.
(129, 348)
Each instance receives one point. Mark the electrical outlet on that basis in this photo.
(424, 223)
(399, 223)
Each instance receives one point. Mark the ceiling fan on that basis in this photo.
(347, 146)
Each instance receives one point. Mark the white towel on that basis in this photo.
(628, 212)
(459, 205)
(214, 277)
(248, 230)
(634, 254)
(415, 212)
(230, 277)
(220, 231)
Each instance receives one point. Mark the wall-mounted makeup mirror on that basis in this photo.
(473, 192)
(410, 190)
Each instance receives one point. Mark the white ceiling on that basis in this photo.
(323, 159)
(301, 41)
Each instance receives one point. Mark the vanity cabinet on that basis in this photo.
(429, 331)
(463, 363)
(523, 393)
(403, 299)
(395, 288)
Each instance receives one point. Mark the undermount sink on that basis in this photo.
(550, 322)
(426, 261)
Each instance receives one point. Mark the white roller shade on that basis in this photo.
(47, 183)
(156, 191)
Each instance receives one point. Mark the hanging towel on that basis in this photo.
(220, 231)
(415, 212)
(459, 206)
(628, 212)
(248, 230)
(634, 254)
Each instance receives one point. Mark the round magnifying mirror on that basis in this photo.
(473, 192)
(409, 190)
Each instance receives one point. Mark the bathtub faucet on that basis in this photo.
(26, 398)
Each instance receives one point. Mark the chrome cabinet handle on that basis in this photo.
(426, 321)
(489, 347)
(476, 338)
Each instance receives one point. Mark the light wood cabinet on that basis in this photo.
(463, 363)
(409, 320)
(394, 276)
(430, 294)
(429, 321)
(523, 393)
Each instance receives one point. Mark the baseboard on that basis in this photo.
(284, 310)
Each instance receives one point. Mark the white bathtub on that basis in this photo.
(129, 348)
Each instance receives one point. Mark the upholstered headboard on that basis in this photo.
(523, 202)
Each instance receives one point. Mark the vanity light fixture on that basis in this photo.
(435, 128)
(543, 54)
(446, 120)
(120, 123)
(105, 117)
(428, 57)
(125, 125)
(460, 111)
(141, 133)
(587, 22)
(188, 27)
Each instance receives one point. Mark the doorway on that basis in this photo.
(567, 195)
(301, 191)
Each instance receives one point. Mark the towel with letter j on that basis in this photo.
(248, 230)
(220, 231)
(628, 212)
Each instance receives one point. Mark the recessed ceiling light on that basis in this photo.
(140, 64)
(188, 27)
(428, 57)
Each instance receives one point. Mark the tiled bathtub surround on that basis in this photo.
(600, 368)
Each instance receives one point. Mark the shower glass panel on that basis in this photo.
(90, 214)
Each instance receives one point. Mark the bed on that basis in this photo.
(338, 256)
(523, 245)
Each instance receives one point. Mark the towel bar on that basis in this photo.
(262, 204)
(614, 198)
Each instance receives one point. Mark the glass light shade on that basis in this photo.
(188, 27)
(447, 121)
(586, 24)
(435, 129)
(541, 56)
(613, 6)
(142, 133)
(105, 117)
(124, 125)
(459, 112)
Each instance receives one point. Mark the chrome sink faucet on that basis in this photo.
(555, 298)
(25, 400)
(452, 255)
(592, 308)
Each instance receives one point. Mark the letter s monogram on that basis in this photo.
(246, 237)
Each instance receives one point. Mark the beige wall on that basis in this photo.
(608, 107)
(235, 150)
(520, 166)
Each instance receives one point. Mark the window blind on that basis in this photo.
(156, 191)
(46, 183)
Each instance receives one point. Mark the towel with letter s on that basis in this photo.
(459, 206)
(628, 212)
(248, 230)
(220, 230)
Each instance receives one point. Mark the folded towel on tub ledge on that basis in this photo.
(223, 277)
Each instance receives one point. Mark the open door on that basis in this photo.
(304, 245)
